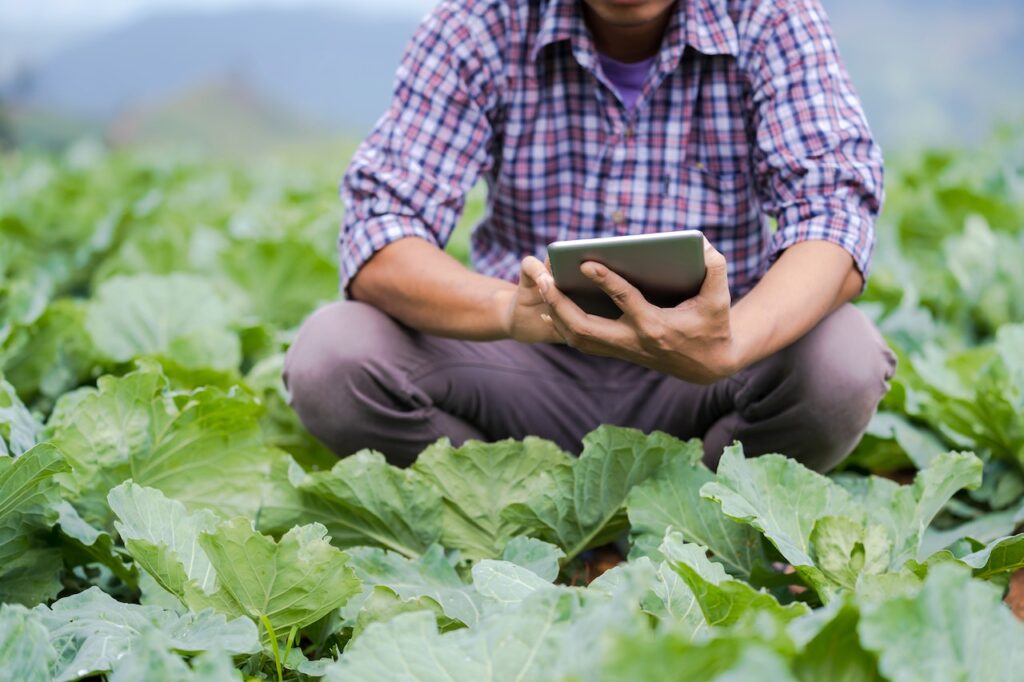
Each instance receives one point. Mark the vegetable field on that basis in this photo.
(163, 516)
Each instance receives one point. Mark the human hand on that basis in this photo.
(692, 341)
(527, 316)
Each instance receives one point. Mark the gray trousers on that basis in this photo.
(359, 379)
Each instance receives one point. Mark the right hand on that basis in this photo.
(523, 321)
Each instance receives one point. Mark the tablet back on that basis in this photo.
(667, 267)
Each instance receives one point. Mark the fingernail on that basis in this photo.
(545, 317)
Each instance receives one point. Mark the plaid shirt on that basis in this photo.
(747, 114)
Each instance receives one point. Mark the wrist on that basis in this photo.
(749, 335)
(501, 322)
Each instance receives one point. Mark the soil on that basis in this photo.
(1015, 595)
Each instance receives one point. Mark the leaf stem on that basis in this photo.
(273, 645)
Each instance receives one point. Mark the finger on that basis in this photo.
(716, 278)
(626, 296)
(555, 334)
(579, 329)
(530, 269)
(585, 344)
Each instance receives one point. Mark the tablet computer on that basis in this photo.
(667, 268)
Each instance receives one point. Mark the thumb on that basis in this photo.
(529, 270)
(716, 278)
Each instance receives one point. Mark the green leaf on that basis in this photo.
(180, 316)
(976, 396)
(229, 566)
(524, 643)
(783, 499)
(202, 447)
(659, 590)
(1003, 555)
(431, 575)
(214, 666)
(540, 557)
(845, 550)
(671, 499)
(363, 500)
(19, 430)
(91, 631)
(381, 605)
(648, 658)
(25, 647)
(150, 660)
(954, 628)
(879, 588)
(778, 496)
(51, 356)
(920, 445)
(830, 648)
(906, 511)
(163, 537)
(29, 565)
(875, 524)
(580, 503)
(293, 582)
(723, 599)
(86, 544)
(479, 480)
(506, 583)
(279, 281)
(985, 528)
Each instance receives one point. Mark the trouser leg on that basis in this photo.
(346, 373)
(811, 400)
(359, 379)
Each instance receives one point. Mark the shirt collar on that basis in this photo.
(702, 24)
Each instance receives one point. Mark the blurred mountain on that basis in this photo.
(323, 64)
(224, 117)
(928, 71)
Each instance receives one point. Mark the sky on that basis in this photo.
(78, 15)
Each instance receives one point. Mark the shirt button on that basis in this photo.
(699, 165)
(629, 133)
(618, 217)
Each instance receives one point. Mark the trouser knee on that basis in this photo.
(819, 394)
(329, 370)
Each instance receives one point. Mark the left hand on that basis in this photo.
(692, 341)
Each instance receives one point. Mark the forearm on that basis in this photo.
(808, 281)
(425, 288)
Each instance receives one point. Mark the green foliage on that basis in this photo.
(92, 632)
(25, 646)
(834, 532)
(953, 628)
(203, 447)
(164, 515)
(479, 481)
(180, 317)
(672, 499)
(228, 566)
(580, 503)
(29, 494)
(363, 500)
(19, 429)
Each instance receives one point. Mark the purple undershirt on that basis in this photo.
(628, 79)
